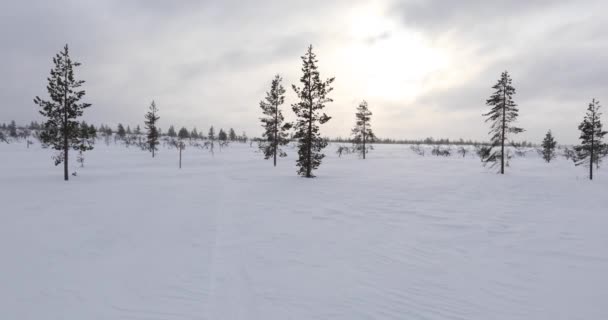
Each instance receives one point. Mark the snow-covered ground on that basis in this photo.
(396, 236)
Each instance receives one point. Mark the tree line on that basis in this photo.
(63, 132)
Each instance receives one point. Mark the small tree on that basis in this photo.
(313, 98)
(232, 135)
(211, 134)
(194, 134)
(171, 132)
(548, 147)
(137, 130)
(503, 113)
(275, 130)
(152, 131)
(61, 130)
(120, 131)
(12, 129)
(591, 149)
(362, 132)
(87, 140)
(222, 136)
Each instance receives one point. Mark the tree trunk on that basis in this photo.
(66, 176)
(592, 147)
(309, 162)
(276, 133)
(504, 124)
(364, 140)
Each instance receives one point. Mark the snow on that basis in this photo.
(396, 236)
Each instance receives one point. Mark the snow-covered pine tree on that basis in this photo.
(313, 97)
(120, 131)
(275, 130)
(61, 129)
(592, 148)
(548, 147)
(152, 131)
(362, 132)
(232, 135)
(503, 113)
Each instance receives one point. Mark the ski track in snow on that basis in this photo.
(396, 236)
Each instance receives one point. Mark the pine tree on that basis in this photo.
(87, 140)
(129, 130)
(362, 132)
(503, 113)
(171, 132)
(137, 130)
(592, 148)
(61, 130)
(12, 129)
(194, 134)
(183, 133)
(548, 145)
(211, 134)
(232, 135)
(313, 97)
(222, 136)
(275, 131)
(150, 124)
(120, 131)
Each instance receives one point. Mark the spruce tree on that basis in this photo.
(120, 131)
(137, 130)
(222, 136)
(12, 129)
(592, 148)
(232, 135)
(548, 145)
(275, 130)
(152, 130)
(87, 136)
(194, 134)
(503, 113)
(61, 129)
(313, 97)
(362, 132)
(211, 134)
(171, 132)
(183, 133)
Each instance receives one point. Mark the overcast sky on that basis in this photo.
(425, 67)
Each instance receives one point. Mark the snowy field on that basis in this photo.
(397, 236)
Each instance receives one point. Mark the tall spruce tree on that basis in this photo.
(548, 147)
(503, 113)
(152, 130)
(362, 132)
(313, 97)
(592, 148)
(275, 130)
(61, 129)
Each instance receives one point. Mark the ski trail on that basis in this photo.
(230, 288)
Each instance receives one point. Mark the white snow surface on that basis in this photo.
(396, 236)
